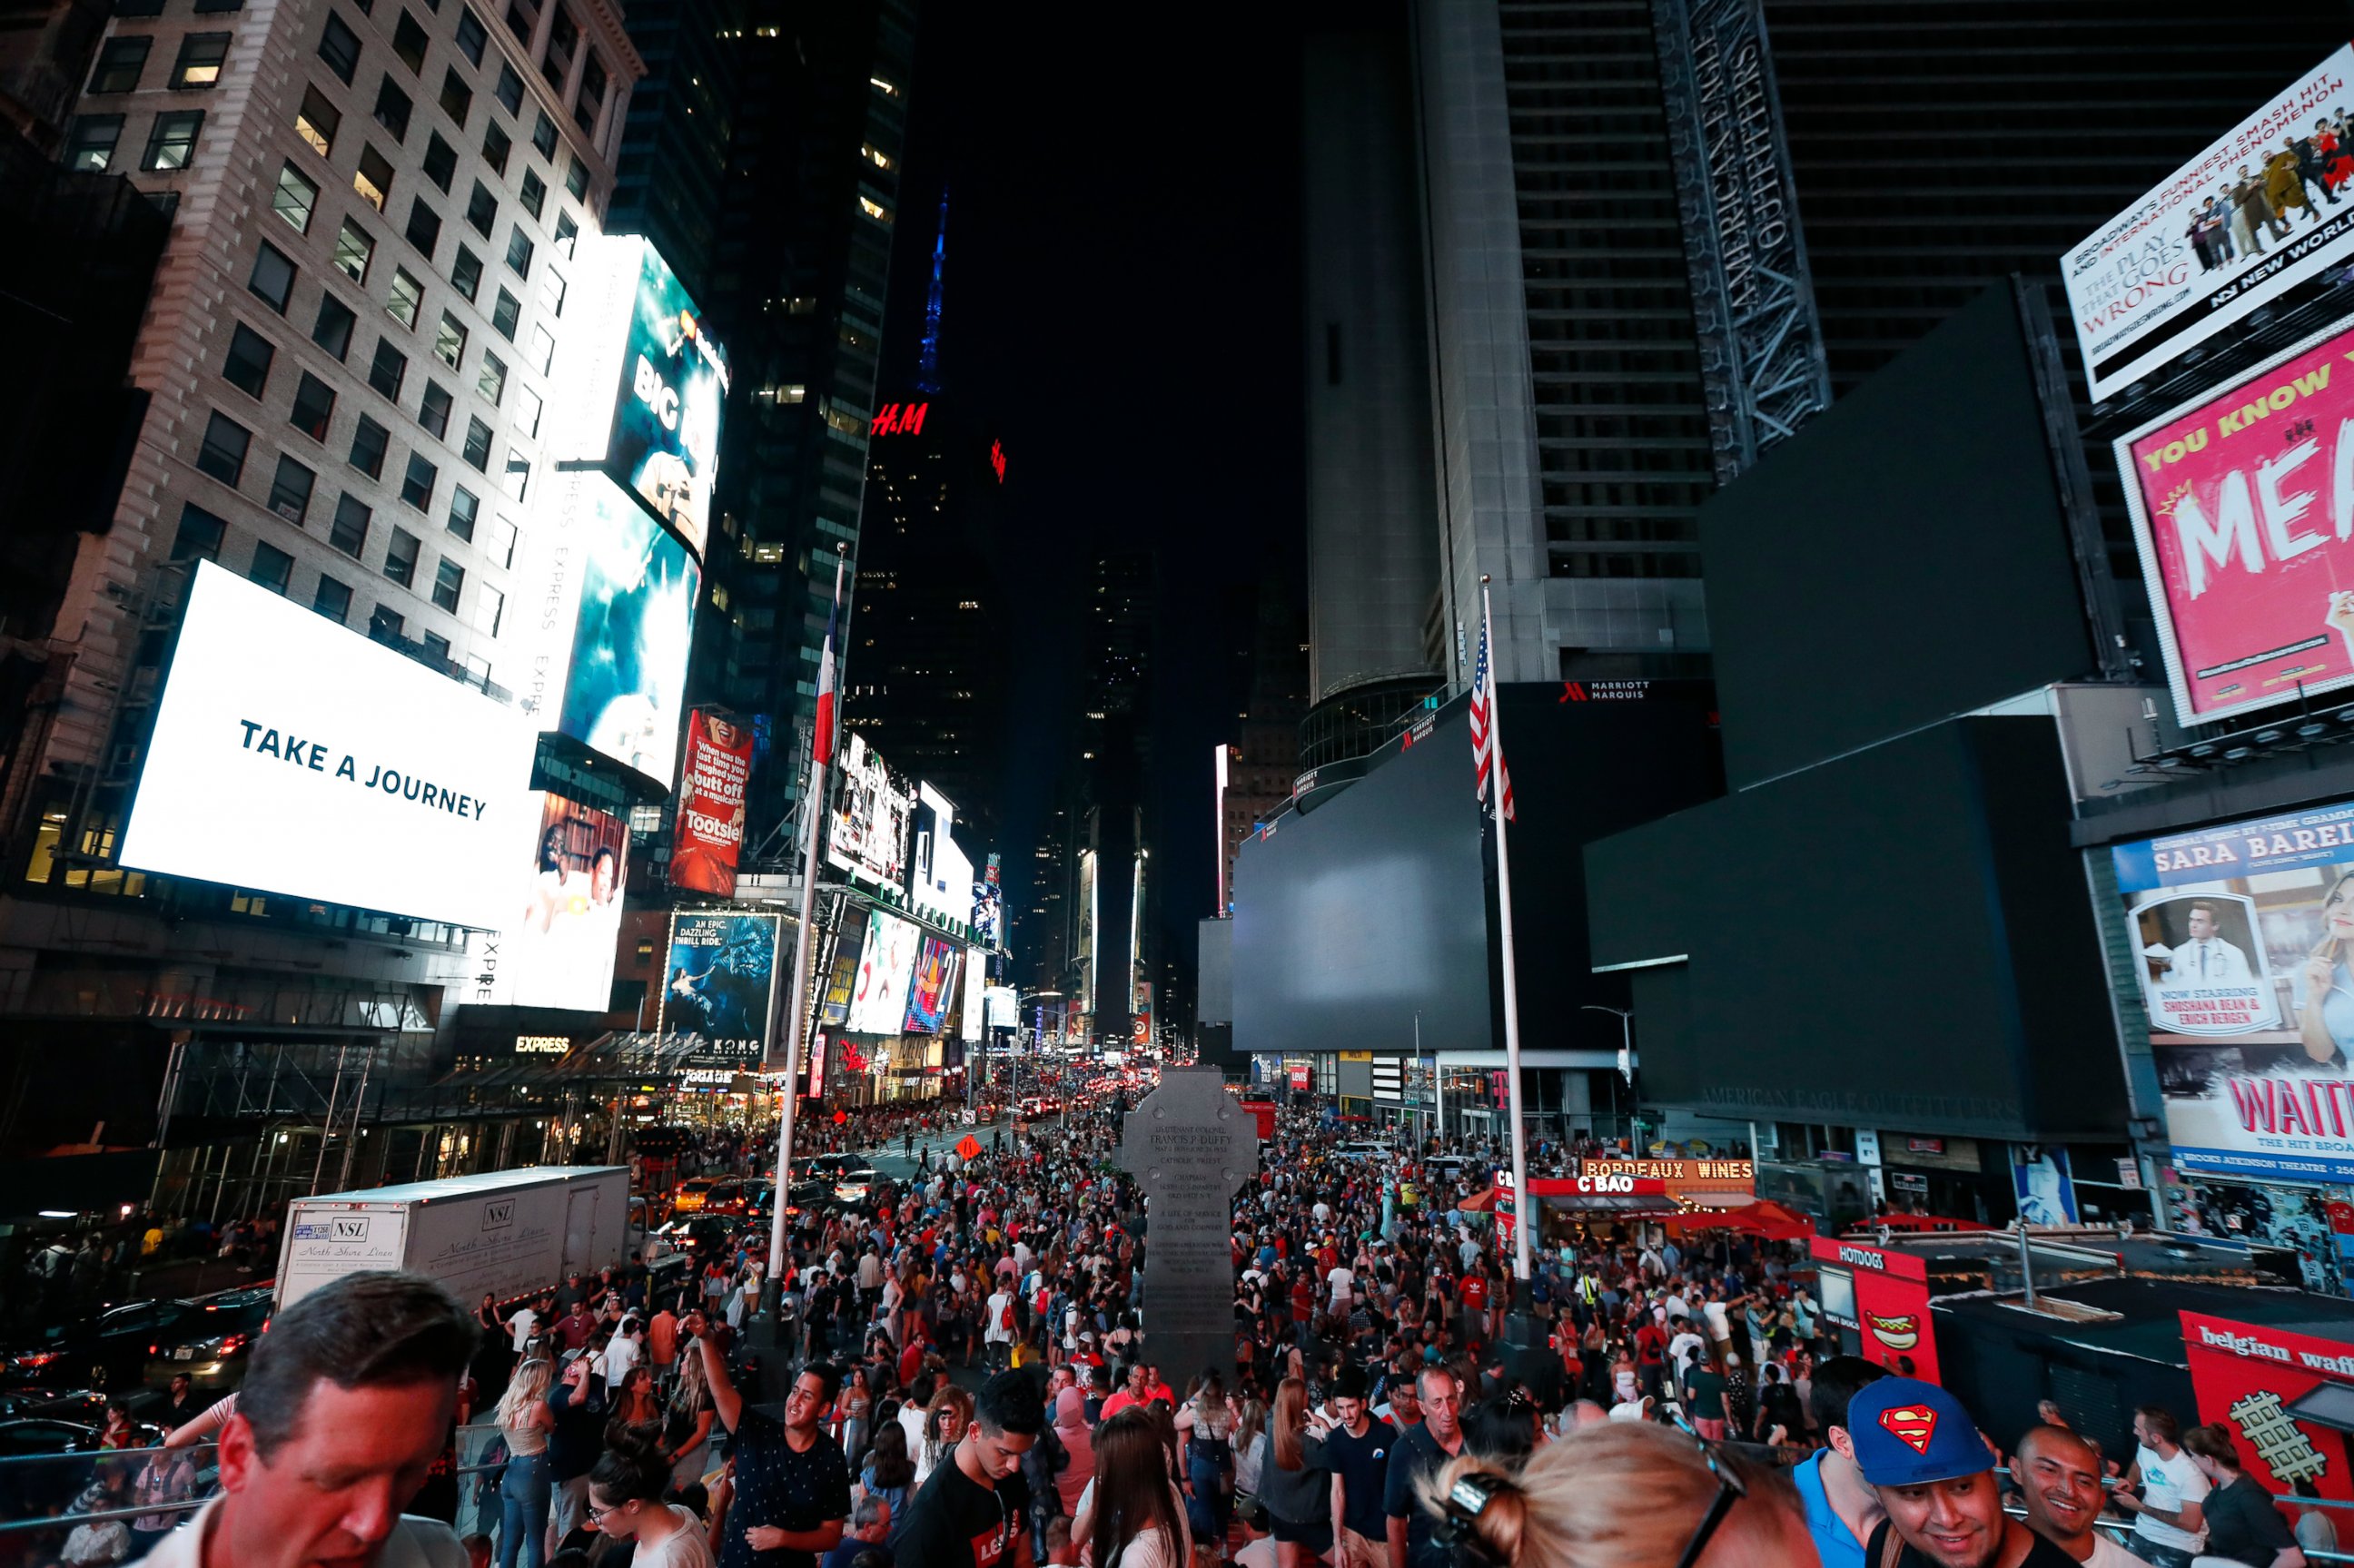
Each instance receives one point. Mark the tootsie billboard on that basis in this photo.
(2242, 506)
(710, 832)
(2244, 934)
(2261, 214)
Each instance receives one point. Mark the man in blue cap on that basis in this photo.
(1921, 1452)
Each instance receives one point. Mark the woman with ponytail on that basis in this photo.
(1619, 1494)
(625, 1502)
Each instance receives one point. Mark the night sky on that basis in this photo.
(1122, 302)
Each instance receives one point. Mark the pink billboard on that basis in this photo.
(2243, 505)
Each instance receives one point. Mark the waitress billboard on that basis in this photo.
(2242, 504)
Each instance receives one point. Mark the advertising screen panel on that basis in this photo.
(556, 948)
(2244, 934)
(934, 988)
(711, 785)
(879, 1003)
(2250, 221)
(292, 756)
(868, 836)
(842, 976)
(719, 984)
(971, 1017)
(642, 383)
(2241, 507)
(942, 883)
(1001, 1008)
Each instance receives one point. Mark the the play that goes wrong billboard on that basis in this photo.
(2242, 506)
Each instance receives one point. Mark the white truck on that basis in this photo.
(506, 1233)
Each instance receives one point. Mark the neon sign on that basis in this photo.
(997, 460)
(899, 420)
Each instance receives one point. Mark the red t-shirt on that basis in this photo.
(1475, 1293)
(1303, 1300)
(1651, 1345)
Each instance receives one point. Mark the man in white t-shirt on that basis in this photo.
(1342, 1283)
(998, 1337)
(2169, 1524)
(521, 1326)
(1684, 1346)
(622, 1353)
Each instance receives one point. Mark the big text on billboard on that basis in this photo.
(2248, 221)
(2242, 506)
(711, 787)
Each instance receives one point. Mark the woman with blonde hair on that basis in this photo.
(1621, 1494)
(524, 1491)
(686, 1422)
(944, 1425)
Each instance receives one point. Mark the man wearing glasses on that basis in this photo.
(975, 1513)
(792, 1484)
(1422, 1450)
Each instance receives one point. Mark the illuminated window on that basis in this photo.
(352, 250)
(172, 140)
(407, 298)
(450, 340)
(887, 88)
(373, 179)
(874, 209)
(91, 148)
(201, 56)
(874, 156)
(318, 121)
(295, 200)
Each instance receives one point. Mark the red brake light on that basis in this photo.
(153, 1349)
(234, 1344)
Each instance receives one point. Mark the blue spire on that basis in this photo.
(928, 368)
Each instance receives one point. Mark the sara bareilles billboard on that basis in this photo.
(2242, 504)
(292, 756)
(711, 788)
(642, 383)
(2258, 217)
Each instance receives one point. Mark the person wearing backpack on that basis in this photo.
(1002, 1327)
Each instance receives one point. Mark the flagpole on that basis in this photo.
(1524, 1208)
(804, 948)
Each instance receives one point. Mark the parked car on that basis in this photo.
(212, 1343)
(691, 1196)
(694, 1238)
(108, 1353)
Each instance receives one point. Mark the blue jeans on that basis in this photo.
(522, 1510)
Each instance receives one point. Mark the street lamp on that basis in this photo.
(1626, 1016)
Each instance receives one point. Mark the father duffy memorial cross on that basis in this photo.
(1191, 1146)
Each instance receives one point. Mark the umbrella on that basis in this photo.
(1764, 1218)
(1479, 1203)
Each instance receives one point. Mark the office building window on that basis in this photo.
(567, 232)
(481, 210)
(400, 558)
(393, 108)
(315, 405)
(493, 382)
(450, 340)
(350, 531)
(200, 60)
(424, 230)
(528, 409)
(532, 193)
(521, 19)
(441, 161)
(250, 354)
(370, 441)
(466, 274)
(388, 369)
(551, 292)
(449, 582)
(478, 444)
(138, 7)
(436, 644)
(464, 507)
(509, 89)
(457, 98)
(273, 569)
(409, 42)
(593, 82)
(354, 249)
(120, 62)
(173, 141)
(490, 609)
(543, 136)
(519, 252)
(504, 313)
(211, 7)
(472, 35)
(516, 476)
(576, 179)
(332, 330)
(407, 298)
(223, 452)
(295, 200)
(332, 600)
(496, 146)
(542, 348)
(290, 493)
(318, 121)
(373, 179)
(433, 410)
(501, 545)
(200, 534)
(417, 484)
(89, 145)
(340, 47)
(386, 623)
(563, 39)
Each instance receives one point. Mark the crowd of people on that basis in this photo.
(1672, 1407)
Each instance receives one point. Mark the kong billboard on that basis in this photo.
(2260, 218)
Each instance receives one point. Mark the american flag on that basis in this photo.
(1486, 752)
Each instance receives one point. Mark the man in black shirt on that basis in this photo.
(1359, 1450)
(975, 1512)
(1422, 1450)
(792, 1484)
(1922, 1453)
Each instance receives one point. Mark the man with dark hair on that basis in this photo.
(975, 1512)
(2059, 1478)
(1841, 1508)
(792, 1484)
(347, 1404)
(1358, 1448)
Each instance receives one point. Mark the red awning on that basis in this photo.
(1763, 1218)
(1479, 1203)
(1917, 1222)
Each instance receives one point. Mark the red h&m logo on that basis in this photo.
(897, 419)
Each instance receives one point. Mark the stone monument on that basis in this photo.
(1191, 1146)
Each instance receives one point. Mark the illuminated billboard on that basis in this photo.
(2254, 220)
(971, 1017)
(933, 991)
(2242, 504)
(718, 982)
(868, 836)
(711, 785)
(841, 975)
(292, 756)
(612, 610)
(887, 966)
(2243, 937)
(556, 948)
(942, 881)
(641, 384)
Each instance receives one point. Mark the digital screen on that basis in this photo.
(556, 948)
(711, 786)
(842, 976)
(886, 968)
(976, 996)
(933, 991)
(868, 835)
(942, 883)
(615, 597)
(717, 983)
(1837, 1287)
(291, 756)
